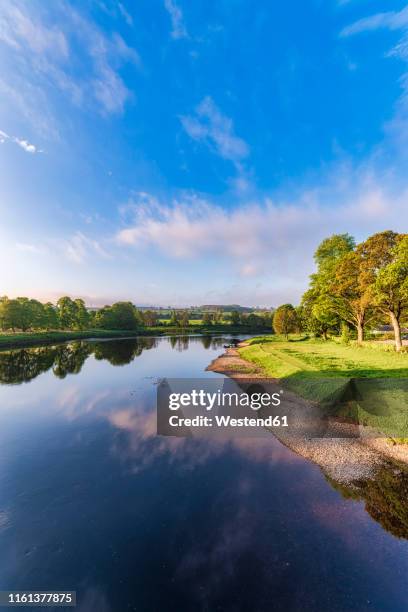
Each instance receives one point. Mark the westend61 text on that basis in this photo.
(228, 421)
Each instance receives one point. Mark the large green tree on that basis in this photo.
(285, 320)
(391, 288)
(330, 251)
(317, 315)
(82, 316)
(121, 315)
(125, 316)
(21, 313)
(317, 308)
(50, 316)
(10, 314)
(352, 294)
(35, 314)
(384, 271)
(67, 312)
(103, 318)
(26, 313)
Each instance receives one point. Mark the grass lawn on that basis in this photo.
(366, 383)
(281, 358)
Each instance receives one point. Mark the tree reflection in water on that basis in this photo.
(23, 365)
(69, 359)
(122, 352)
(385, 497)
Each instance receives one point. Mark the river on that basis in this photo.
(92, 500)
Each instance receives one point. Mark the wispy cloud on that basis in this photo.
(209, 125)
(79, 247)
(397, 21)
(21, 142)
(43, 45)
(394, 20)
(176, 16)
(125, 14)
(19, 29)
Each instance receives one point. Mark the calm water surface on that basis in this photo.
(92, 500)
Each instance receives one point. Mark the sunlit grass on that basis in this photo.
(362, 383)
(281, 358)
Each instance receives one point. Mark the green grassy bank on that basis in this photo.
(310, 357)
(365, 383)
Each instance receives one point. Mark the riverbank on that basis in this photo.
(26, 340)
(344, 459)
(30, 339)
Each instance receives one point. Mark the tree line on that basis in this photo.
(355, 287)
(218, 317)
(24, 314)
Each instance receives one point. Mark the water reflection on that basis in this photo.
(120, 353)
(23, 365)
(92, 499)
(385, 497)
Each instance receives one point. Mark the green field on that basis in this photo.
(191, 322)
(365, 383)
(281, 358)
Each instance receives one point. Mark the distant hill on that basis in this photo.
(227, 308)
(205, 308)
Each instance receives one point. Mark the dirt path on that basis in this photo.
(346, 459)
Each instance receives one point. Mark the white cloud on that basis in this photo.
(110, 90)
(20, 29)
(40, 56)
(176, 16)
(79, 247)
(28, 147)
(210, 125)
(21, 142)
(265, 237)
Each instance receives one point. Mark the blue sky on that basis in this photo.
(175, 152)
